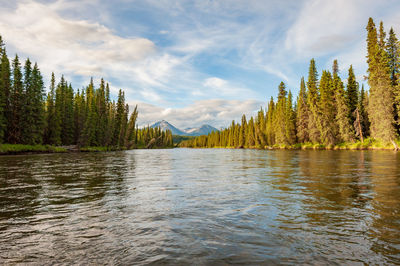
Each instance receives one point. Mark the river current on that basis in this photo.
(201, 206)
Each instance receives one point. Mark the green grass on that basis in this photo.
(21, 148)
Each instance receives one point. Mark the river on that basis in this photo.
(201, 206)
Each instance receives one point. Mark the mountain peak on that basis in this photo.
(203, 130)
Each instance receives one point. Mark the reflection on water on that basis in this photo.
(201, 206)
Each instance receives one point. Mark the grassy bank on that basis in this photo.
(367, 144)
(21, 148)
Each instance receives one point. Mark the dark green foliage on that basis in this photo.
(342, 116)
(53, 128)
(86, 118)
(5, 87)
(14, 124)
(313, 99)
(326, 113)
(290, 121)
(393, 52)
(352, 92)
(327, 109)
(381, 100)
(302, 114)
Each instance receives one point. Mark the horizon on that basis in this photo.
(192, 63)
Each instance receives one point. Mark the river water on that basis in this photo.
(201, 206)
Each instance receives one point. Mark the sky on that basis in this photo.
(192, 62)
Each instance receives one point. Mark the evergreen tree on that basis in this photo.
(313, 98)
(290, 121)
(16, 103)
(328, 129)
(380, 107)
(242, 133)
(280, 116)
(393, 53)
(269, 131)
(302, 114)
(119, 117)
(363, 107)
(130, 133)
(38, 107)
(342, 114)
(352, 93)
(68, 130)
(53, 129)
(5, 87)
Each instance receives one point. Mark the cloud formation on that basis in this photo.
(174, 56)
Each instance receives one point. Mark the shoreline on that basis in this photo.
(366, 145)
(22, 149)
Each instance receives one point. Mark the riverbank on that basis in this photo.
(14, 149)
(367, 144)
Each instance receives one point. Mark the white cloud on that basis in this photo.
(215, 82)
(74, 47)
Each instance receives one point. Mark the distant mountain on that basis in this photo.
(164, 125)
(195, 131)
(203, 130)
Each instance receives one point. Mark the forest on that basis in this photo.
(86, 117)
(327, 113)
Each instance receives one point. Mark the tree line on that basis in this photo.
(326, 110)
(86, 117)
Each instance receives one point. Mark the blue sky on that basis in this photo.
(192, 62)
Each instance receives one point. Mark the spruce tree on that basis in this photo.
(342, 115)
(393, 52)
(290, 121)
(302, 114)
(53, 128)
(270, 131)
(16, 103)
(5, 87)
(68, 130)
(37, 102)
(352, 93)
(119, 116)
(130, 132)
(280, 116)
(380, 107)
(363, 107)
(312, 99)
(327, 109)
(242, 133)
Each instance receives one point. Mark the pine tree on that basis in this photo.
(37, 102)
(328, 129)
(5, 87)
(290, 121)
(130, 133)
(79, 114)
(53, 129)
(16, 103)
(68, 130)
(119, 116)
(302, 114)
(280, 116)
(269, 131)
(363, 107)
(352, 93)
(102, 114)
(345, 129)
(393, 52)
(242, 133)
(380, 107)
(312, 99)
(88, 136)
